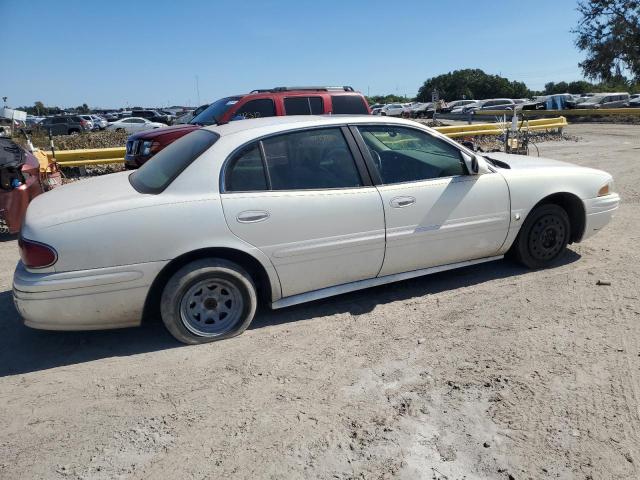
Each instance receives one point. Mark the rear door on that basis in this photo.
(305, 199)
(435, 212)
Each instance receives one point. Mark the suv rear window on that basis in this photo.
(348, 104)
(156, 175)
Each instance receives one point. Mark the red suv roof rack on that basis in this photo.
(345, 88)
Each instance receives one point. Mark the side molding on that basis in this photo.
(373, 282)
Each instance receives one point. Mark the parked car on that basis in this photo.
(258, 103)
(634, 100)
(152, 116)
(464, 108)
(491, 104)
(376, 110)
(549, 102)
(89, 119)
(421, 110)
(288, 210)
(606, 100)
(111, 116)
(392, 110)
(66, 124)
(134, 124)
(456, 104)
(188, 116)
(20, 182)
(99, 123)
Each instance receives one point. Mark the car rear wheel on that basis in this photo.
(208, 300)
(544, 236)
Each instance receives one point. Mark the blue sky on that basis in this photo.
(111, 53)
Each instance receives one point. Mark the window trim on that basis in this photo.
(360, 162)
(371, 166)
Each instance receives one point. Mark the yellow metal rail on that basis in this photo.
(499, 128)
(575, 112)
(89, 156)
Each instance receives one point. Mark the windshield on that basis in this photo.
(214, 112)
(164, 167)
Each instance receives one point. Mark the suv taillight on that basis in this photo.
(36, 254)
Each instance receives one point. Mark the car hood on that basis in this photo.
(86, 198)
(151, 134)
(519, 162)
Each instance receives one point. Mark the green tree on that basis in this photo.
(39, 108)
(609, 33)
(472, 84)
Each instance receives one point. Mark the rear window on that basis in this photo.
(158, 173)
(349, 104)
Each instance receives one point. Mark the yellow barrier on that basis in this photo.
(89, 154)
(499, 128)
(577, 112)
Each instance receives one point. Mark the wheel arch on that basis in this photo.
(575, 209)
(247, 261)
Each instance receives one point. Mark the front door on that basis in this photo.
(436, 213)
(304, 199)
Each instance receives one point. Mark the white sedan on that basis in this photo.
(133, 125)
(286, 210)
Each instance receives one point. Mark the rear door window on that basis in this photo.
(245, 172)
(349, 104)
(311, 159)
(303, 106)
(259, 108)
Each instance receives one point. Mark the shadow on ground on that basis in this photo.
(24, 350)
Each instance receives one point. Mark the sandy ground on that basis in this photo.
(488, 372)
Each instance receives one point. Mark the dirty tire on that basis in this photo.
(208, 300)
(543, 237)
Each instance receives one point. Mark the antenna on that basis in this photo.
(198, 89)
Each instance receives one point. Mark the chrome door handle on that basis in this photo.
(399, 202)
(252, 216)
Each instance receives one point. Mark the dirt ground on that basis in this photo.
(490, 372)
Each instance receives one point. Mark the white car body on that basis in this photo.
(113, 243)
(134, 125)
(392, 110)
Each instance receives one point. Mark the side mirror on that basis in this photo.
(472, 163)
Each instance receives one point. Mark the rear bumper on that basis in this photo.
(599, 213)
(94, 299)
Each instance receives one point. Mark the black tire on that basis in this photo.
(179, 292)
(544, 236)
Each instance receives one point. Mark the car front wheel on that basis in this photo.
(544, 236)
(208, 300)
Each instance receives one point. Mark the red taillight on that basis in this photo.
(36, 254)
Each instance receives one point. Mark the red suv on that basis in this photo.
(258, 103)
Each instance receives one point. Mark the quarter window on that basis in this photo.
(349, 104)
(408, 155)
(259, 108)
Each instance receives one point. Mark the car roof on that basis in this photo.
(275, 124)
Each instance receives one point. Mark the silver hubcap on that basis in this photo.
(211, 307)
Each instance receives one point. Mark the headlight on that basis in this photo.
(606, 189)
(146, 147)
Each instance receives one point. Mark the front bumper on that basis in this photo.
(599, 213)
(93, 299)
